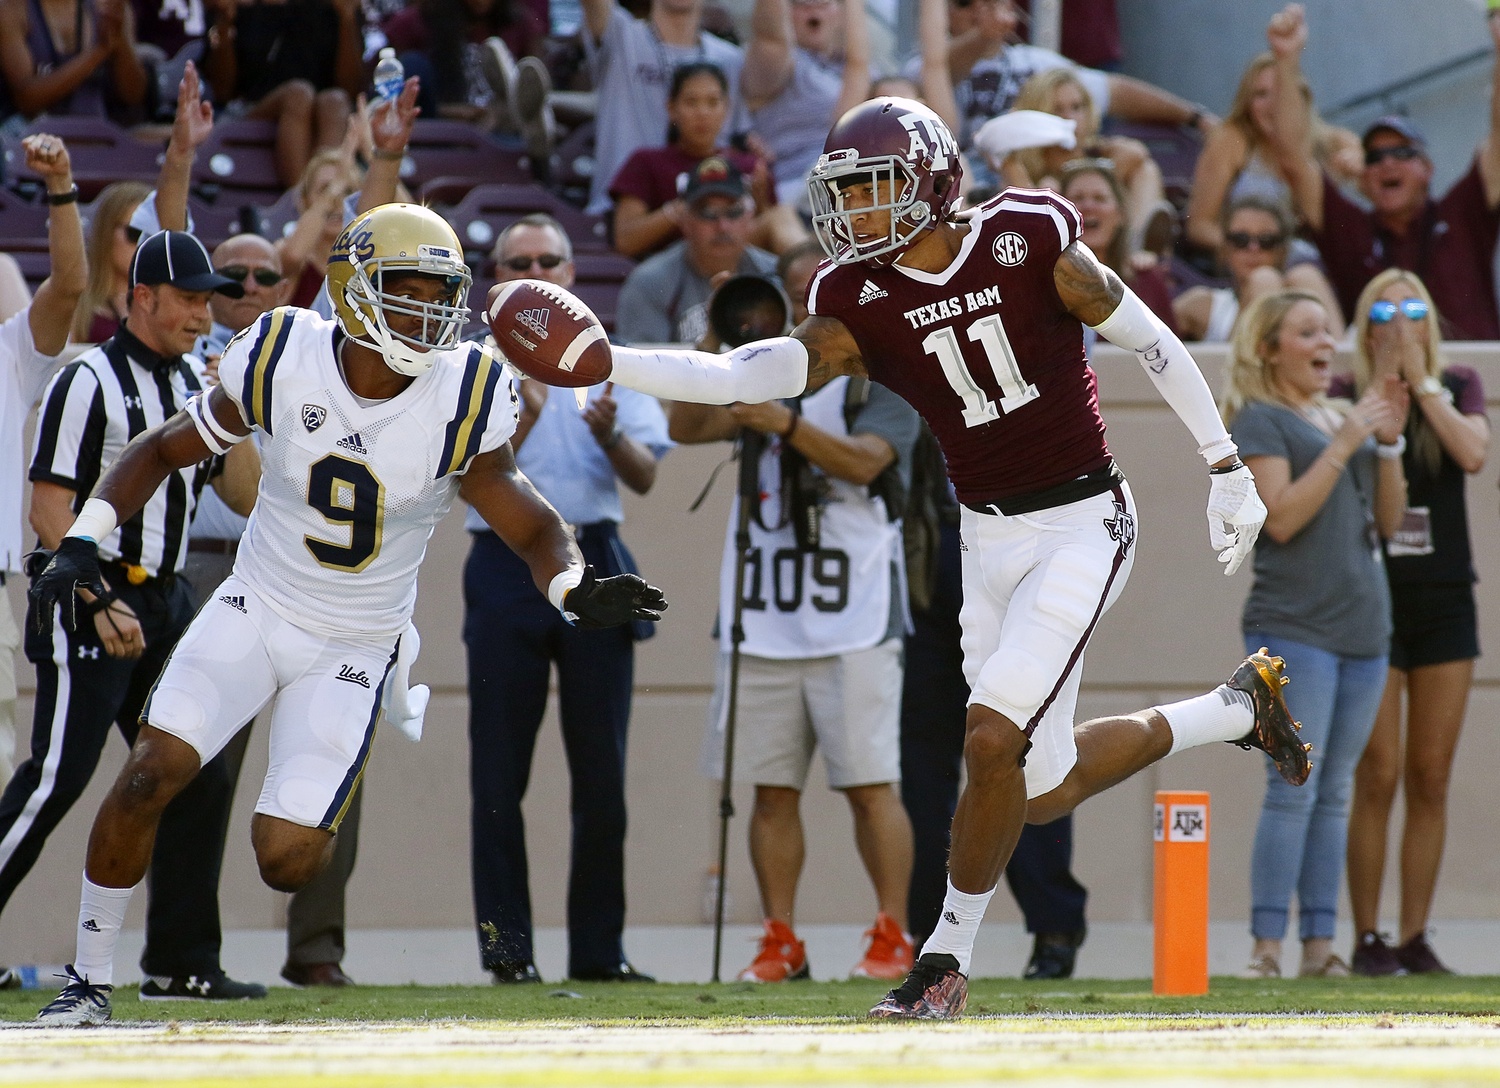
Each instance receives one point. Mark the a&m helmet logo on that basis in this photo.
(1010, 249)
(313, 416)
(929, 140)
(536, 320)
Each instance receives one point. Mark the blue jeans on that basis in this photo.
(1303, 829)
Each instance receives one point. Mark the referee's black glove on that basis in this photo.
(73, 566)
(609, 602)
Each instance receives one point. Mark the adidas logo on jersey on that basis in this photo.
(869, 293)
(235, 602)
(535, 320)
(353, 443)
(353, 675)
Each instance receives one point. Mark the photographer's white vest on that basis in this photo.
(815, 604)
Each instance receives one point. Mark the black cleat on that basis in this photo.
(1274, 732)
(215, 987)
(935, 990)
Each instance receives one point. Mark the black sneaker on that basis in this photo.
(80, 1004)
(215, 987)
(935, 990)
(1374, 958)
(624, 971)
(1417, 956)
(1053, 955)
(1274, 731)
(506, 974)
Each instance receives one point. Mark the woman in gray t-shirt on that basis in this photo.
(1331, 478)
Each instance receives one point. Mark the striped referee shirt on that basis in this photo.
(91, 411)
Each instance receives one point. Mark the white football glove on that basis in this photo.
(1235, 515)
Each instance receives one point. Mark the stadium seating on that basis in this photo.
(488, 209)
(100, 152)
(237, 164)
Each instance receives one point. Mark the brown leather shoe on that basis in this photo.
(315, 974)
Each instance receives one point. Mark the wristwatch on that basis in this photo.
(1431, 387)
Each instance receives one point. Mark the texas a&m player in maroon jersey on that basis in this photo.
(977, 319)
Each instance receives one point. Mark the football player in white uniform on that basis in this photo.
(370, 426)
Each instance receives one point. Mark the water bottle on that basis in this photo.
(390, 76)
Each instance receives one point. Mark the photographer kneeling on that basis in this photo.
(823, 610)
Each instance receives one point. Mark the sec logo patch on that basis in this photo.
(1010, 248)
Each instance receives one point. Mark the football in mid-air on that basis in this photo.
(549, 334)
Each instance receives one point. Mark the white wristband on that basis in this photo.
(1392, 452)
(562, 584)
(95, 521)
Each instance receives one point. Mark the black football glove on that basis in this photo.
(74, 565)
(609, 602)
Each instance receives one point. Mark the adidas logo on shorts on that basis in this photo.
(235, 602)
(353, 443)
(869, 293)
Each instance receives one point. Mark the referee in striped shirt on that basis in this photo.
(97, 660)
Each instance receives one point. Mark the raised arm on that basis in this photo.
(1096, 296)
(1489, 155)
(1220, 162)
(856, 82)
(390, 128)
(57, 297)
(768, 58)
(1291, 138)
(193, 123)
(936, 82)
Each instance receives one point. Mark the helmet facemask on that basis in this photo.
(369, 302)
(893, 179)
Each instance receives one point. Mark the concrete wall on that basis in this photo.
(1175, 632)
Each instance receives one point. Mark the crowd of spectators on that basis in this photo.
(1293, 234)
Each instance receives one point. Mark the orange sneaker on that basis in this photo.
(781, 957)
(890, 952)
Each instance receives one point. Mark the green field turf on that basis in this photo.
(811, 1001)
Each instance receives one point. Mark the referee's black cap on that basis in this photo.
(177, 258)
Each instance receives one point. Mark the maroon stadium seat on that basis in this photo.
(100, 152)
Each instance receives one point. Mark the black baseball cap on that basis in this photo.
(1401, 126)
(176, 257)
(714, 176)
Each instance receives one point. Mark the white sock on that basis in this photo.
(1225, 713)
(958, 925)
(101, 913)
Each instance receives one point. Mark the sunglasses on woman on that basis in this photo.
(1241, 239)
(266, 277)
(521, 264)
(1382, 311)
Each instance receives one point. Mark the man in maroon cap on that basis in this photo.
(665, 299)
(1449, 242)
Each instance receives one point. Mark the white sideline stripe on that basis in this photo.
(584, 340)
(44, 788)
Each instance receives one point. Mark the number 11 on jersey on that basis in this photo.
(989, 333)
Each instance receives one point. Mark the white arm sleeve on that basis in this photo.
(1172, 369)
(761, 371)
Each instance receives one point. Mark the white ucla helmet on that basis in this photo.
(398, 239)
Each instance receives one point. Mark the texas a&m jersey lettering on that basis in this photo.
(985, 350)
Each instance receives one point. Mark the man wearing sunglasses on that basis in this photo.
(665, 298)
(1449, 242)
(513, 634)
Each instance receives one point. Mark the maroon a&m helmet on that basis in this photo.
(911, 158)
